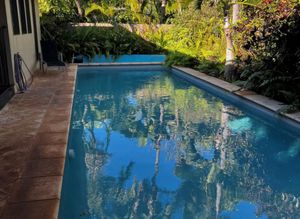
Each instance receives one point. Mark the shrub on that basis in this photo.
(271, 47)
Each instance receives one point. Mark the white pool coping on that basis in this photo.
(251, 96)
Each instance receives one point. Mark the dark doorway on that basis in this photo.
(4, 79)
(6, 90)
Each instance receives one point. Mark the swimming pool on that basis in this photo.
(145, 143)
(137, 58)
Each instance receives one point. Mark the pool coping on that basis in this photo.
(267, 103)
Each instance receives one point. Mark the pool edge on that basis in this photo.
(231, 89)
(262, 103)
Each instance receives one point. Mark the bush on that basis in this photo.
(272, 53)
(91, 41)
(179, 59)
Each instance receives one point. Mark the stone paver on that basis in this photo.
(44, 167)
(46, 209)
(50, 151)
(37, 188)
(33, 140)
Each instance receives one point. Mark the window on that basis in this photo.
(29, 29)
(21, 9)
(22, 16)
(15, 16)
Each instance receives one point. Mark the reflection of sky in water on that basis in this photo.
(125, 150)
(132, 100)
(207, 153)
(240, 125)
(168, 130)
(243, 210)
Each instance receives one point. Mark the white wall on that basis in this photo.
(24, 44)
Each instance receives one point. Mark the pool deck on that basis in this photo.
(33, 141)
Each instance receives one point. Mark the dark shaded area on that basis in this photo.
(272, 65)
(50, 53)
(6, 90)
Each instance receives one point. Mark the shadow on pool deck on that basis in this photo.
(33, 139)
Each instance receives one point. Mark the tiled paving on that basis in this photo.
(33, 140)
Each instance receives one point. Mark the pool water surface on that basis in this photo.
(144, 143)
(138, 58)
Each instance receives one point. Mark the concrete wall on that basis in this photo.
(24, 44)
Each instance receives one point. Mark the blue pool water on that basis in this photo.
(144, 143)
(126, 58)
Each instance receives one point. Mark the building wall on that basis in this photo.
(24, 44)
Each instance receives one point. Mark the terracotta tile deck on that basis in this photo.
(33, 140)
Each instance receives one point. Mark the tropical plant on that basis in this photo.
(271, 53)
(254, 43)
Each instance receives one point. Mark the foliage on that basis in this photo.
(61, 9)
(265, 38)
(104, 9)
(179, 59)
(271, 52)
(91, 41)
(195, 37)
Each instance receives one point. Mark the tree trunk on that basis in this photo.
(79, 8)
(235, 13)
(229, 64)
(163, 11)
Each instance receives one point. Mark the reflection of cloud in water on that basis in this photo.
(260, 133)
(132, 100)
(243, 210)
(292, 151)
(138, 115)
(240, 125)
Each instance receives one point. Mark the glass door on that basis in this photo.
(4, 78)
(6, 71)
(3, 74)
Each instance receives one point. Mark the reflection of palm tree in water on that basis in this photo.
(95, 157)
(159, 138)
(152, 200)
(89, 124)
(221, 140)
(143, 195)
(154, 190)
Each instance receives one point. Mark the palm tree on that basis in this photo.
(79, 8)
